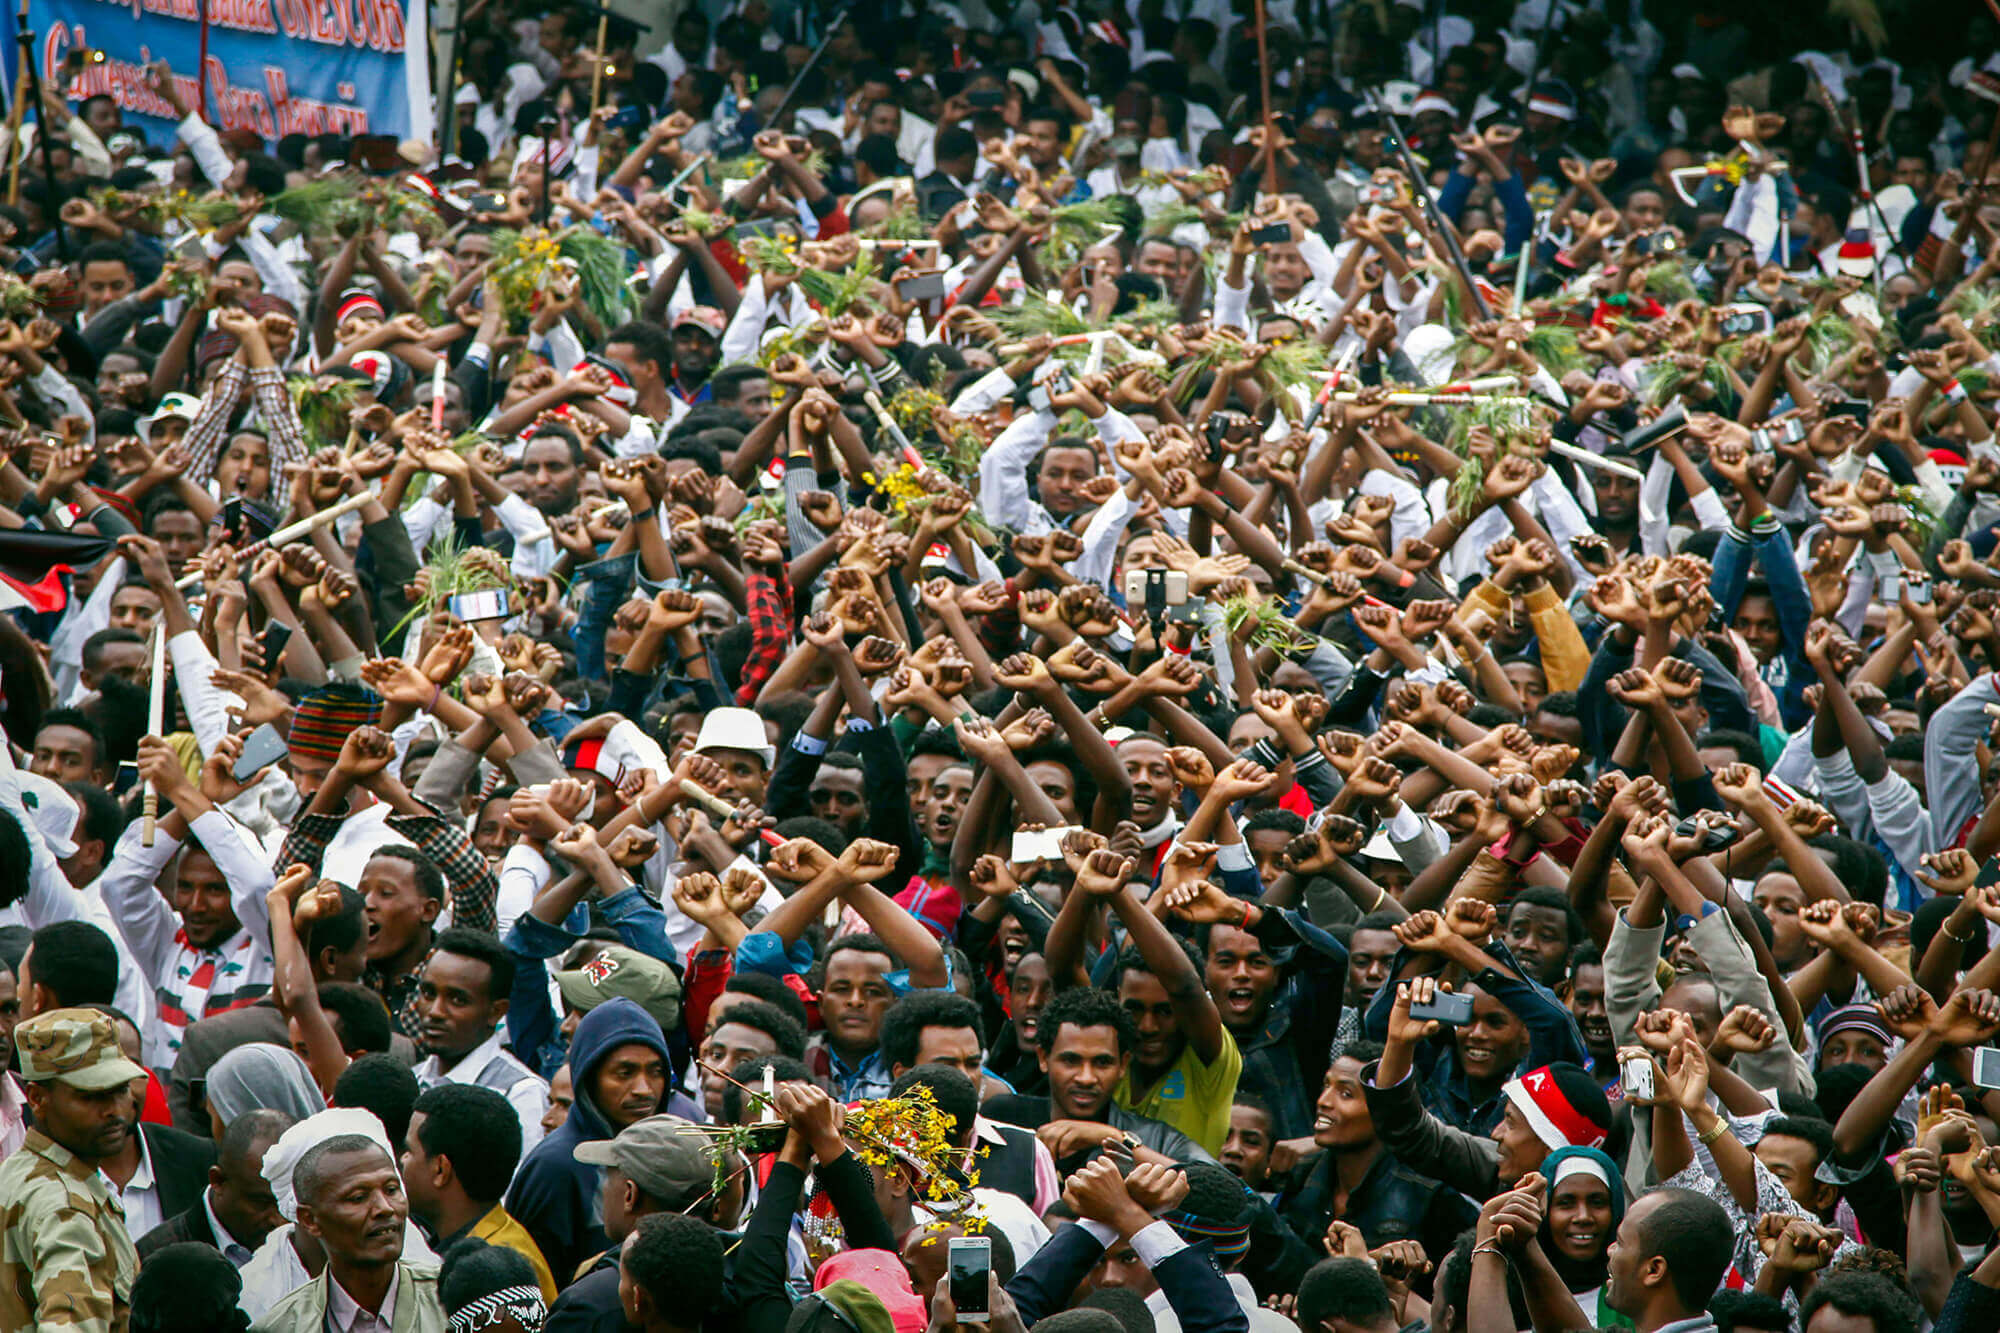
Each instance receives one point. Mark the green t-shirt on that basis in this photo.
(1192, 1097)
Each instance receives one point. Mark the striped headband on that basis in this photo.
(524, 1304)
(1549, 1113)
(1549, 106)
(356, 303)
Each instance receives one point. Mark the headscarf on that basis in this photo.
(283, 1157)
(266, 1076)
(1559, 1166)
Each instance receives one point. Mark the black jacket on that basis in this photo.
(1034, 1112)
(1200, 1296)
(188, 1225)
(180, 1166)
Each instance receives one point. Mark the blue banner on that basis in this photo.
(274, 67)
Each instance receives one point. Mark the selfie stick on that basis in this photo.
(156, 725)
(289, 531)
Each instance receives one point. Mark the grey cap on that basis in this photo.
(668, 1157)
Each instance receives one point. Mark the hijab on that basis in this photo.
(262, 1075)
(1560, 1165)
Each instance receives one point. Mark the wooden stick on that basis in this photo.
(597, 65)
(720, 808)
(1598, 461)
(14, 117)
(156, 725)
(289, 531)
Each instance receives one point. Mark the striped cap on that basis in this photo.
(323, 719)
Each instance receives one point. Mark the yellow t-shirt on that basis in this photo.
(1192, 1097)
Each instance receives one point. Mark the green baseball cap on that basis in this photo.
(620, 971)
(77, 1046)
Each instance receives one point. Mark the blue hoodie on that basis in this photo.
(554, 1196)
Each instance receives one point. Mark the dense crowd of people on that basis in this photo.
(1068, 666)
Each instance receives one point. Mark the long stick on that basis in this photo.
(42, 133)
(156, 724)
(1264, 81)
(806, 68)
(448, 103)
(1416, 399)
(597, 66)
(722, 809)
(1421, 186)
(20, 107)
(1598, 461)
(289, 531)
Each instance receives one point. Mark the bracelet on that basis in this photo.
(635, 515)
(437, 692)
(1490, 1247)
(1944, 928)
(1244, 924)
(1381, 896)
(1710, 1135)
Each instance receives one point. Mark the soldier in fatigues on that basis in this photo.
(66, 1260)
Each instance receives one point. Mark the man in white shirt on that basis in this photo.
(461, 1005)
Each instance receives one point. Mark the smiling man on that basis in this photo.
(205, 944)
(1186, 1061)
(362, 826)
(1085, 1040)
(462, 1000)
(1358, 1180)
(351, 1201)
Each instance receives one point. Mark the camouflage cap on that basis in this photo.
(78, 1046)
(620, 971)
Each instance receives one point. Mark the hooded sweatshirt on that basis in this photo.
(555, 1196)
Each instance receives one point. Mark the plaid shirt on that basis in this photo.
(210, 427)
(469, 882)
(767, 606)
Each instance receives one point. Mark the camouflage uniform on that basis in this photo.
(66, 1260)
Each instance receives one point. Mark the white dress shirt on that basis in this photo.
(234, 1250)
(141, 1194)
(489, 1065)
